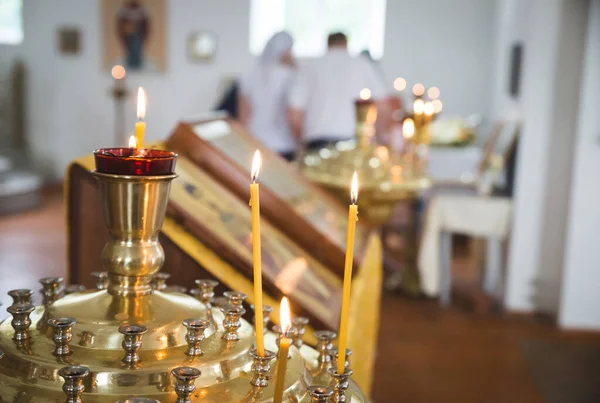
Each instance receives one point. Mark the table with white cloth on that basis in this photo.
(478, 216)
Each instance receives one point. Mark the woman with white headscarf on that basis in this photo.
(264, 92)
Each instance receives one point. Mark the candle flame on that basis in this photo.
(365, 94)
(256, 163)
(399, 84)
(433, 92)
(132, 142)
(418, 89)
(428, 109)
(418, 106)
(437, 106)
(408, 128)
(285, 317)
(141, 103)
(118, 72)
(354, 188)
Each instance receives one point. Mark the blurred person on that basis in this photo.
(263, 95)
(322, 100)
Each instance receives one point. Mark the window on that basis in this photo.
(310, 21)
(11, 22)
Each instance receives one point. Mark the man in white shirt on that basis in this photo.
(322, 99)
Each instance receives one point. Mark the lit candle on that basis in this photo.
(284, 348)
(365, 94)
(352, 219)
(408, 129)
(418, 90)
(433, 92)
(256, 251)
(428, 110)
(118, 73)
(399, 84)
(140, 125)
(418, 107)
(132, 145)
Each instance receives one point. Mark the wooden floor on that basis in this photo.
(426, 354)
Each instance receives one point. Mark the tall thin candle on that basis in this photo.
(352, 219)
(284, 348)
(256, 251)
(140, 125)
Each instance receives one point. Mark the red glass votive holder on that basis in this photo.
(127, 161)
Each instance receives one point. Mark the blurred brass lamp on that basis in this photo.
(385, 179)
(131, 341)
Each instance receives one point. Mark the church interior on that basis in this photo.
(206, 201)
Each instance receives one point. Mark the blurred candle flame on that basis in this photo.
(132, 142)
(285, 319)
(365, 94)
(354, 188)
(418, 89)
(408, 128)
(118, 72)
(428, 108)
(433, 92)
(418, 106)
(141, 103)
(399, 84)
(256, 163)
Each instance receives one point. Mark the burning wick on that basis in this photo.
(132, 146)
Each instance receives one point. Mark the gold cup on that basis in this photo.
(134, 211)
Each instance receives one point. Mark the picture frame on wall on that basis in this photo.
(202, 46)
(69, 40)
(134, 35)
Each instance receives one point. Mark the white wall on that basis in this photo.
(554, 41)
(443, 43)
(580, 302)
(70, 112)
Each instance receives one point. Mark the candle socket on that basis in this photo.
(195, 335)
(266, 312)
(324, 344)
(132, 342)
(101, 278)
(261, 367)
(339, 384)
(159, 281)
(73, 386)
(319, 394)
(278, 334)
(335, 356)
(205, 291)
(20, 321)
(51, 289)
(21, 296)
(61, 334)
(298, 330)
(232, 323)
(185, 376)
(235, 297)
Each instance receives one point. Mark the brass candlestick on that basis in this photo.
(130, 335)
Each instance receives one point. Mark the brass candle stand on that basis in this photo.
(381, 188)
(133, 340)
